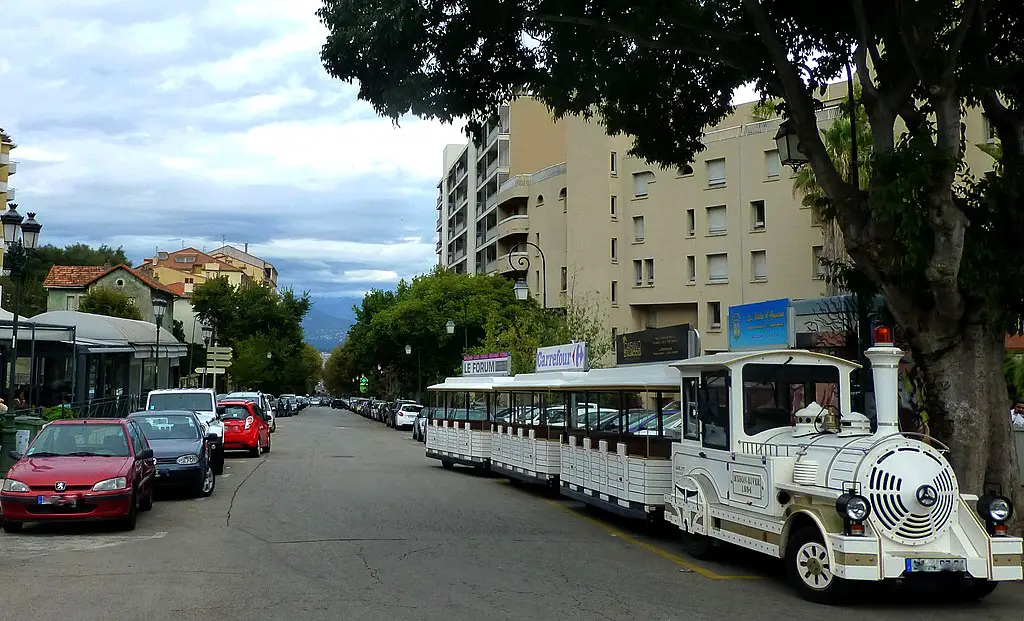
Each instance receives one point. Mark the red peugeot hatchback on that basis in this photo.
(80, 469)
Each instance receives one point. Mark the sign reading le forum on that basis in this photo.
(487, 364)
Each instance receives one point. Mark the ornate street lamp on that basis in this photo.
(159, 308)
(450, 327)
(788, 143)
(20, 236)
(522, 262)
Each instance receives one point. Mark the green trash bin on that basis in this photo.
(26, 429)
(8, 442)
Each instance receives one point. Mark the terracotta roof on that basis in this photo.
(202, 258)
(179, 289)
(1014, 342)
(76, 276)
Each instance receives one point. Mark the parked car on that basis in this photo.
(181, 446)
(265, 403)
(405, 416)
(292, 403)
(199, 400)
(245, 426)
(419, 427)
(80, 470)
(338, 404)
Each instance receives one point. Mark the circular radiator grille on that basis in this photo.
(912, 491)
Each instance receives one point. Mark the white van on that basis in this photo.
(202, 401)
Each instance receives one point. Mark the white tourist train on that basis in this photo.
(759, 449)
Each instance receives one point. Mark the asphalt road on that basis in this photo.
(346, 519)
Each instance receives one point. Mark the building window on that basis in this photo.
(759, 265)
(615, 250)
(638, 228)
(615, 292)
(691, 222)
(638, 272)
(615, 340)
(718, 268)
(189, 280)
(565, 278)
(772, 164)
(817, 262)
(757, 221)
(714, 315)
(990, 130)
(716, 172)
(684, 171)
(641, 181)
(649, 268)
(188, 258)
(614, 163)
(614, 207)
(691, 269)
(718, 221)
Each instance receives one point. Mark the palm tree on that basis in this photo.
(837, 141)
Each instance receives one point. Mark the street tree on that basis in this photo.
(109, 302)
(940, 246)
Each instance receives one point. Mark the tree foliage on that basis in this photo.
(941, 246)
(256, 320)
(109, 302)
(486, 314)
(39, 262)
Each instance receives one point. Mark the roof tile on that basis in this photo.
(84, 275)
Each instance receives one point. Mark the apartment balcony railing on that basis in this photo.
(511, 262)
(12, 168)
(457, 230)
(5, 158)
(3, 187)
(437, 248)
(514, 225)
(11, 194)
(824, 115)
(437, 225)
(487, 236)
(549, 172)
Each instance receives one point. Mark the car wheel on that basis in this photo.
(129, 521)
(266, 449)
(147, 501)
(208, 483)
(447, 465)
(810, 570)
(258, 451)
(13, 527)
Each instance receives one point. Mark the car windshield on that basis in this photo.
(173, 427)
(412, 409)
(235, 412)
(195, 401)
(85, 439)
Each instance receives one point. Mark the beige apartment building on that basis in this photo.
(649, 247)
(7, 168)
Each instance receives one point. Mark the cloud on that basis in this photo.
(152, 125)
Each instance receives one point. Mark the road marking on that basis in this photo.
(38, 544)
(224, 476)
(663, 553)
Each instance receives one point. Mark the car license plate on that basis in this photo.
(932, 565)
(56, 500)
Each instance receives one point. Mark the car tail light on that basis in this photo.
(248, 421)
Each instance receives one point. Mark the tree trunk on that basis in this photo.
(969, 410)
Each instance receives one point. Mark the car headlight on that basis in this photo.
(852, 507)
(188, 460)
(995, 508)
(10, 485)
(111, 485)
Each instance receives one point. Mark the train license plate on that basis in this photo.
(934, 565)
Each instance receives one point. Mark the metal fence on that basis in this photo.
(107, 407)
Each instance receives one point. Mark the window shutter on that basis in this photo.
(717, 219)
(718, 267)
(716, 172)
(759, 261)
(771, 163)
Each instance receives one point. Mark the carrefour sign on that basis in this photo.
(571, 357)
(487, 364)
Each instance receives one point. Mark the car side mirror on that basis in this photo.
(146, 453)
(15, 455)
(221, 410)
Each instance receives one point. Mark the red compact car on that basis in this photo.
(80, 469)
(245, 426)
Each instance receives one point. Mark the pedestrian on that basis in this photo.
(1017, 415)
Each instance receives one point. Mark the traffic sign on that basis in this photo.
(219, 358)
(213, 351)
(210, 371)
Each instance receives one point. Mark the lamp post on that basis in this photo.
(20, 236)
(450, 326)
(159, 308)
(791, 154)
(522, 262)
(419, 383)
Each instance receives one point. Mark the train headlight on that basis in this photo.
(853, 508)
(993, 508)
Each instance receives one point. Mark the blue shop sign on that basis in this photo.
(761, 325)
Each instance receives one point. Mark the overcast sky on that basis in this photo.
(156, 124)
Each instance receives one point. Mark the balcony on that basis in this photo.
(5, 158)
(3, 187)
(437, 225)
(512, 262)
(10, 195)
(12, 168)
(514, 225)
(457, 230)
(437, 248)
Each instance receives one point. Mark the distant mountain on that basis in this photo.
(325, 330)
